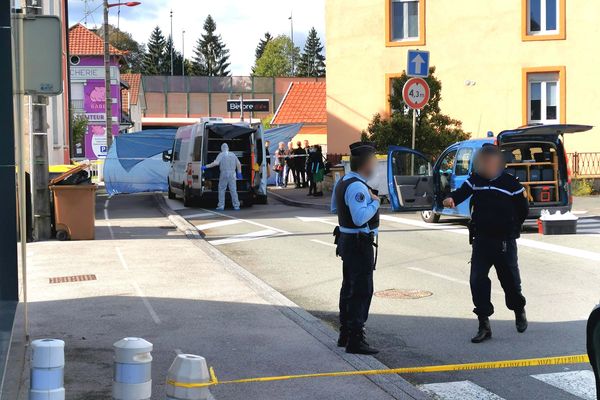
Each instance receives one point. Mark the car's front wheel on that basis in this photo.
(430, 217)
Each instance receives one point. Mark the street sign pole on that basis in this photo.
(415, 94)
(414, 134)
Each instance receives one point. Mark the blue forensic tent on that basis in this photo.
(282, 134)
(134, 162)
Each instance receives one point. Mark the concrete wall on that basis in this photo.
(469, 40)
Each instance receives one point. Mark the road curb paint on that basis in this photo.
(521, 363)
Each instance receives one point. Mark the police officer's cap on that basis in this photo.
(362, 148)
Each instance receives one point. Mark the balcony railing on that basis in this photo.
(585, 165)
(77, 105)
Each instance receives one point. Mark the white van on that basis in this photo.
(199, 144)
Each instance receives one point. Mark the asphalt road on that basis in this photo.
(291, 249)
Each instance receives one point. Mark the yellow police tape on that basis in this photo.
(531, 362)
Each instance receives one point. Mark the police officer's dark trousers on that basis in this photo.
(357, 255)
(502, 254)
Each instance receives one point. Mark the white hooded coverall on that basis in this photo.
(228, 165)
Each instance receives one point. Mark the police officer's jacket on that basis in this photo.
(498, 206)
(356, 210)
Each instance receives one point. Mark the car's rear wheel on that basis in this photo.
(430, 217)
(171, 194)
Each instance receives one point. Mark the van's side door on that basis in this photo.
(462, 170)
(410, 180)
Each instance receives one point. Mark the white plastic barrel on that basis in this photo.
(47, 370)
(132, 378)
(188, 368)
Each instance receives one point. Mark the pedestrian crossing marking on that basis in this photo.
(245, 237)
(462, 390)
(198, 215)
(218, 224)
(581, 384)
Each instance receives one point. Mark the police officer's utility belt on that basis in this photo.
(370, 238)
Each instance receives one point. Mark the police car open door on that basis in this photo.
(410, 180)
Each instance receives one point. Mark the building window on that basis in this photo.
(545, 96)
(405, 22)
(543, 19)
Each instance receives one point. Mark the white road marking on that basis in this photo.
(107, 219)
(446, 277)
(198, 215)
(323, 243)
(139, 290)
(248, 222)
(463, 390)
(178, 351)
(218, 224)
(581, 384)
(579, 212)
(245, 237)
(175, 205)
(554, 248)
(315, 219)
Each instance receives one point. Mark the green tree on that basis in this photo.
(211, 56)
(435, 131)
(312, 61)
(177, 59)
(277, 58)
(154, 59)
(132, 61)
(260, 49)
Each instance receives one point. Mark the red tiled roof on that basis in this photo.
(133, 81)
(304, 102)
(83, 42)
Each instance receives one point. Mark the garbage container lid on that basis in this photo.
(67, 174)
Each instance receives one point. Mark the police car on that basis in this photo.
(534, 154)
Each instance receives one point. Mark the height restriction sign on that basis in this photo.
(416, 93)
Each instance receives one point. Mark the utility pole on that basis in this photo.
(9, 276)
(183, 53)
(172, 42)
(291, 18)
(107, 85)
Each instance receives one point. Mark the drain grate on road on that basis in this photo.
(74, 278)
(403, 294)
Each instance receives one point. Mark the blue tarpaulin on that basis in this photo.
(134, 162)
(282, 134)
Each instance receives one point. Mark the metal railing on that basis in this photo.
(585, 165)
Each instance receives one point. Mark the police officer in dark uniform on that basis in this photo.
(357, 207)
(498, 209)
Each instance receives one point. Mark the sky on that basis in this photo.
(241, 23)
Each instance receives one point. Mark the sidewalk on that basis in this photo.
(298, 197)
(150, 280)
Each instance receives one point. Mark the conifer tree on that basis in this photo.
(153, 62)
(312, 61)
(211, 56)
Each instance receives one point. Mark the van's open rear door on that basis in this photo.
(410, 180)
(549, 131)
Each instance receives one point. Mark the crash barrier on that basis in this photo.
(522, 363)
(585, 165)
(593, 345)
(186, 370)
(47, 370)
(132, 379)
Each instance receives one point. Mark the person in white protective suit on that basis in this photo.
(230, 170)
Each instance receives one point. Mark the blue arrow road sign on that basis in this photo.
(418, 64)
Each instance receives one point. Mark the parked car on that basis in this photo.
(534, 154)
(199, 144)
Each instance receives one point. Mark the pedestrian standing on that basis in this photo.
(498, 209)
(357, 207)
(230, 170)
(316, 168)
(268, 157)
(290, 167)
(279, 164)
(300, 163)
(306, 149)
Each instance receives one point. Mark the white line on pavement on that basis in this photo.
(198, 215)
(175, 205)
(249, 222)
(323, 243)
(218, 224)
(446, 277)
(316, 219)
(138, 290)
(588, 255)
(107, 219)
(581, 384)
(463, 390)
(245, 237)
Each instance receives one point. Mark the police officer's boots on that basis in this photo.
(484, 332)
(357, 344)
(521, 321)
(343, 338)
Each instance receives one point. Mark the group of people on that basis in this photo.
(498, 210)
(304, 163)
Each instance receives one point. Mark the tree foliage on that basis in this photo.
(276, 59)
(156, 54)
(211, 56)
(435, 131)
(312, 60)
(132, 61)
(260, 49)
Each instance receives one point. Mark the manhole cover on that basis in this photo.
(403, 294)
(75, 278)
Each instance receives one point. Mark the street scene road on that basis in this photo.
(292, 250)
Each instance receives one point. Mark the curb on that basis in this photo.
(394, 385)
(296, 203)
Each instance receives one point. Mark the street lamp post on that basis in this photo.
(172, 42)
(107, 85)
(183, 53)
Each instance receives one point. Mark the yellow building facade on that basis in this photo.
(502, 63)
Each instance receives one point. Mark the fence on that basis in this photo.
(585, 165)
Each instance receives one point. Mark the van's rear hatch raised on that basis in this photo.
(542, 132)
